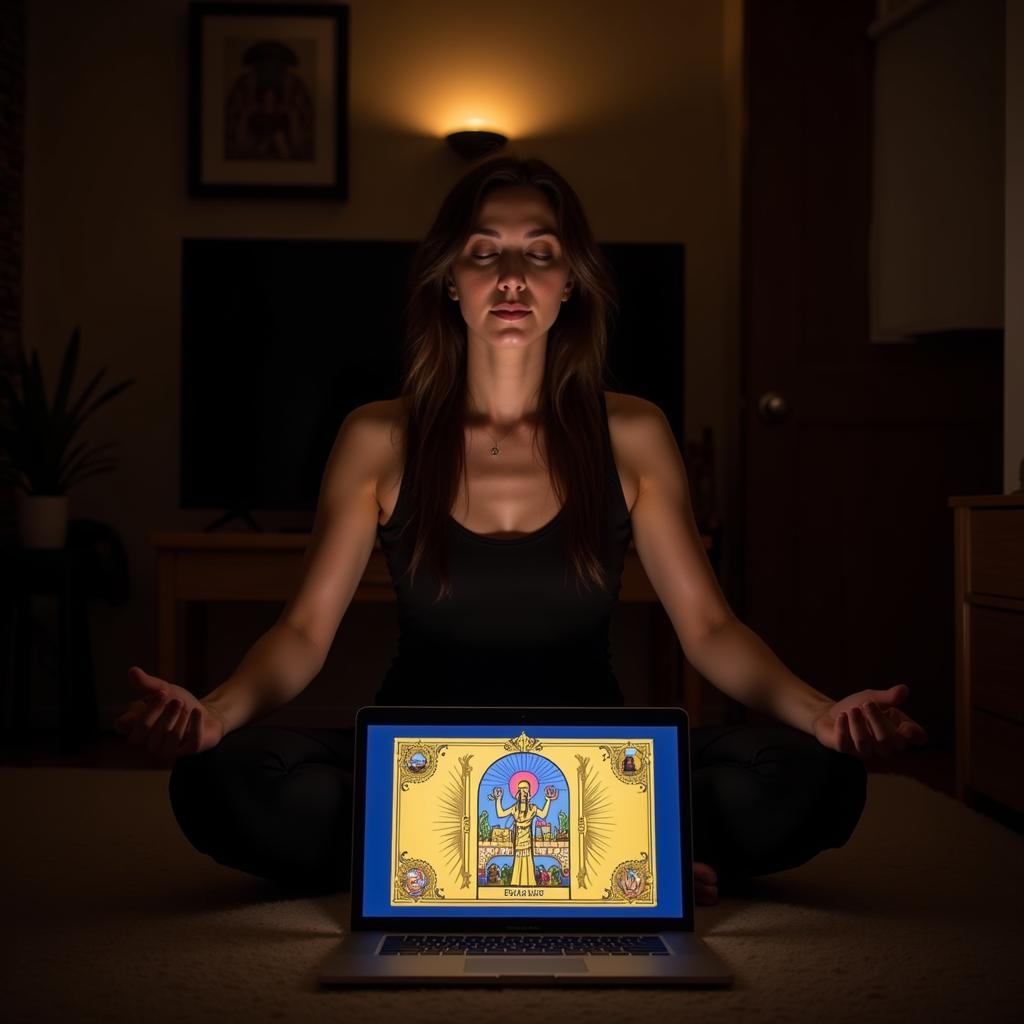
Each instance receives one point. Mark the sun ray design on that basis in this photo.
(453, 820)
(596, 820)
(500, 771)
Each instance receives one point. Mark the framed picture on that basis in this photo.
(268, 99)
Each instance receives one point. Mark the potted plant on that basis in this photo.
(37, 439)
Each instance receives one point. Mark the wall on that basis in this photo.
(632, 102)
(1013, 381)
(12, 156)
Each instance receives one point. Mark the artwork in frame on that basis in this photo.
(268, 100)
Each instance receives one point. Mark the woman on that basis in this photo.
(503, 470)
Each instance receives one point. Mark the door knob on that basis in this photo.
(772, 407)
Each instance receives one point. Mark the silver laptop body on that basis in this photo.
(522, 846)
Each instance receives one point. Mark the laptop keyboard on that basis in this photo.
(529, 945)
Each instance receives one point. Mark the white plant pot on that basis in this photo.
(42, 520)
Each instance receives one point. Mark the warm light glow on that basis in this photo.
(462, 103)
(554, 70)
(466, 122)
(476, 124)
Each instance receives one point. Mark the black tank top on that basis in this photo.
(516, 630)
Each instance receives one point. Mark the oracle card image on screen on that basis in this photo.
(523, 820)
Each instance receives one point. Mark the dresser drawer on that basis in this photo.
(997, 552)
(997, 661)
(997, 759)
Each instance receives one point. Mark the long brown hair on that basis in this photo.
(434, 371)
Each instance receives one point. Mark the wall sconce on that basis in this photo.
(473, 144)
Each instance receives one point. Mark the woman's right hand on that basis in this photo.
(168, 720)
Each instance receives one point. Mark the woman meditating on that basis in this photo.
(505, 485)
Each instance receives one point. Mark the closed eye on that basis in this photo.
(488, 255)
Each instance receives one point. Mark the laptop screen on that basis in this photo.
(502, 821)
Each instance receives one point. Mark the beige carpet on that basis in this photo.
(109, 915)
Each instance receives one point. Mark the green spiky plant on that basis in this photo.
(37, 439)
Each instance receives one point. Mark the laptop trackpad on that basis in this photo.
(550, 965)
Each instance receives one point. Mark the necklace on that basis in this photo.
(495, 450)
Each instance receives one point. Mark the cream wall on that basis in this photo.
(636, 104)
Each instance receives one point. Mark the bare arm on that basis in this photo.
(278, 667)
(500, 811)
(724, 650)
(741, 664)
(283, 662)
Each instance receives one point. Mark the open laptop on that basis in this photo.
(522, 845)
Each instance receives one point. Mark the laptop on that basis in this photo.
(522, 845)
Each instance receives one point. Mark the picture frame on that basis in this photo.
(268, 100)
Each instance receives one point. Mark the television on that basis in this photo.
(282, 338)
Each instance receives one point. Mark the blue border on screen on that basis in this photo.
(667, 809)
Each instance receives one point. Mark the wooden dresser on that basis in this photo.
(989, 579)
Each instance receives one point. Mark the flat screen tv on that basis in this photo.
(281, 339)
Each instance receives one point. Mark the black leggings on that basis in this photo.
(276, 801)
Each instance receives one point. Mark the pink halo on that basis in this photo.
(513, 783)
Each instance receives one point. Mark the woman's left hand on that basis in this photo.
(869, 723)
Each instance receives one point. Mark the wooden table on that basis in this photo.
(194, 568)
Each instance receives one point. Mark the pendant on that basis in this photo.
(495, 450)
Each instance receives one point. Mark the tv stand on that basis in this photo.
(194, 568)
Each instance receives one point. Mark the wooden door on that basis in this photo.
(850, 448)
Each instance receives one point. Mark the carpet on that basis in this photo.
(110, 915)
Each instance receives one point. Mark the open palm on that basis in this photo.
(868, 722)
(167, 719)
